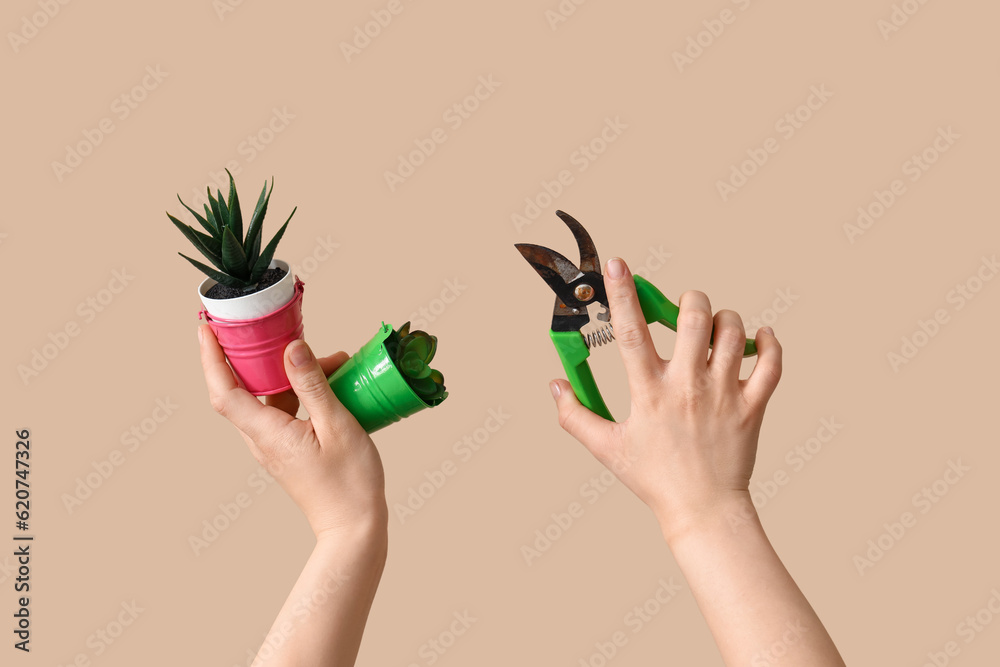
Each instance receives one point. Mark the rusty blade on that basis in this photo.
(589, 261)
(554, 269)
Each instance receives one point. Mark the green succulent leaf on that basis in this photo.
(209, 226)
(235, 216)
(233, 258)
(216, 211)
(240, 262)
(415, 367)
(218, 276)
(412, 353)
(254, 252)
(257, 220)
(205, 244)
(423, 386)
(210, 217)
(418, 344)
(437, 395)
(224, 210)
(267, 254)
(440, 392)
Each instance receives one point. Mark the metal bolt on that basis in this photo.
(583, 292)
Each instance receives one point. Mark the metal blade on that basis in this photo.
(589, 261)
(554, 269)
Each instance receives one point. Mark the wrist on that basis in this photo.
(363, 532)
(356, 550)
(728, 516)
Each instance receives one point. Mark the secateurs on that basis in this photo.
(582, 318)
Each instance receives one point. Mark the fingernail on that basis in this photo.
(554, 388)
(201, 338)
(616, 268)
(300, 354)
(768, 330)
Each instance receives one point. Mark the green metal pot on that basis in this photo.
(372, 388)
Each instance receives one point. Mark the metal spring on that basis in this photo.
(599, 337)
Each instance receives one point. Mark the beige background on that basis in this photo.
(654, 188)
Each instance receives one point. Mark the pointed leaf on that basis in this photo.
(262, 200)
(220, 222)
(210, 242)
(257, 220)
(254, 252)
(217, 276)
(224, 210)
(404, 330)
(233, 258)
(235, 216)
(210, 217)
(260, 266)
(205, 244)
(209, 227)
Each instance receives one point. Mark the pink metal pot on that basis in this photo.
(256, 348)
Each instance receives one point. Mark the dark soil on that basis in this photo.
(270, 277)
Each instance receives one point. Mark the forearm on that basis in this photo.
(322, 621)
(754, 609)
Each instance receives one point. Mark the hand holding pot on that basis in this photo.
(326, 463)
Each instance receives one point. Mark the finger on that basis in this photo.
(728, 344)
(593, 431)
(310, 384)
(694, 329)
(765, 375)
(288, 402)
(642, 364)
(333, 362)
(234, 403)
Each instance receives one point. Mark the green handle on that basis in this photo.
(658, 308)
(573, 353)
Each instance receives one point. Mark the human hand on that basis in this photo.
(326, 463)
(688, 446)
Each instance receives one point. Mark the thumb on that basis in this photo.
(593, 431)
(311, 386)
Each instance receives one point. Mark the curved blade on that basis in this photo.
(554, 269)
(589, 261)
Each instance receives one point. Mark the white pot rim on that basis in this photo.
(253, 305)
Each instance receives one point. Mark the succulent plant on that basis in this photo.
(238, 259)
(412, 352)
